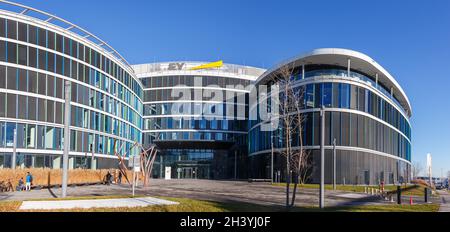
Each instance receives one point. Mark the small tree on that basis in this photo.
(416, 169)
(290, 103)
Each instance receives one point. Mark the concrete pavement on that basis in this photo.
(99, 203)
(210, 190)
(445, 201)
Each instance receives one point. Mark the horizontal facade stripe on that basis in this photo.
(105, 113)
(24, 121)
(69, 34)
(352, 81)
(346, 111)
(342, 148)
(199, 130)
(69, 79)
(70, 58)
(333, 56)
(199, 87)
(195, 116)
(56, 153)
(28, 94)
(194, 101)
(196, 73)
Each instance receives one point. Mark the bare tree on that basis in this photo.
(291, 119)
(305, 167)
(417, 168)
(147, 159)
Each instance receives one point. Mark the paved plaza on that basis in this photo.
(218, 191)
(445, 201)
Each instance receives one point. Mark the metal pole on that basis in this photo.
(271, 165)
(322, 160)
(235, 165)
(334, 164)
(93, 154)
(13, 160)
(134, 180)
(66, 138)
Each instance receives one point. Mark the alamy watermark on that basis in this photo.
(213, 102)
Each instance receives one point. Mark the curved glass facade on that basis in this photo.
(207, 139)
(36, 58)
(366, 121)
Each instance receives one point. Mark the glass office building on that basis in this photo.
(207, 137)
(366, 112)
(37, 55)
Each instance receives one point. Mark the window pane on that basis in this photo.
(11, 105)
(10, 127)
(50, 86)
(327, 94)
(42, 63)
(23, 31)
(32, 34)
(31, 108)
(22, 109)
(32, 82)
(42, 37)
(49, 138)
(12, 29)
(41, 110)
(2, 76)
(23, 54)
(2, 27)
(42, 84)
(50, 111)
(2, 105)
(32, 57)
(31, 136)
(22, 80)
(12, 53)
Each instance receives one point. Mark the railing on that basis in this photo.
(67, 26)
(181, 66)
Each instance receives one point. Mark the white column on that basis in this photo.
(303, 71)
(349, 65)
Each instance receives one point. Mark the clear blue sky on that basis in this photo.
(411, 39)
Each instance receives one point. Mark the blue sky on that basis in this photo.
(411, 39)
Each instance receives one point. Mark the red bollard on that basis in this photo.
(410, 200)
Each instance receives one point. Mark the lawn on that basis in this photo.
(414, 190)
(190, 205)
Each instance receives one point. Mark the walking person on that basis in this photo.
(28, 182)
(119, 181)
(108, 178)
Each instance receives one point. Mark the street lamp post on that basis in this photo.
(271, 162)
(273, 151)
(14, 155)
(334, 164)
(322, 160)
(67, 92)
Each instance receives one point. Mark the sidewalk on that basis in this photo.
(445, 201)
(100, 203)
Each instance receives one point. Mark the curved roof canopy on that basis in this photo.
(358, 61)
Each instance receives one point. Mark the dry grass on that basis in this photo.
(10, 206)
(46, 177)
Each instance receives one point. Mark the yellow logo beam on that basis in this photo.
(218, 64)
